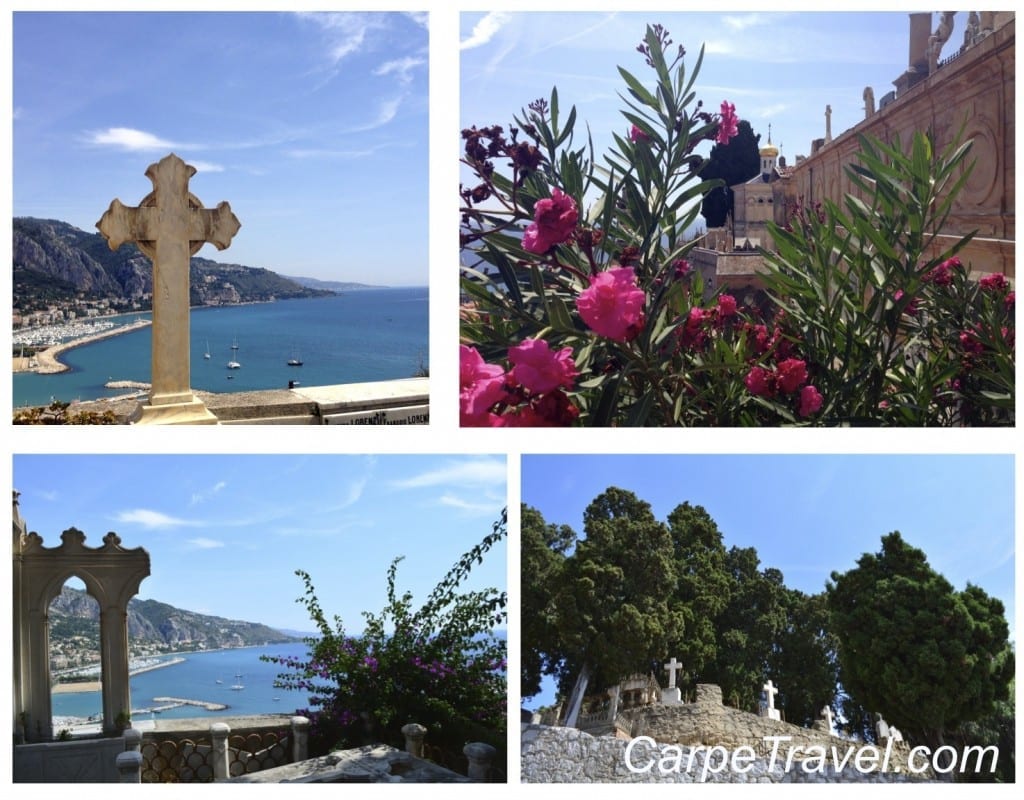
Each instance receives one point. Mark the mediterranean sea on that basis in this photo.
(360, 335)
(207, 677)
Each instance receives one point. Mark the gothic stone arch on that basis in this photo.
(112, 575)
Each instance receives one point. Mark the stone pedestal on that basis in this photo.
(671, 696)
(187, 412)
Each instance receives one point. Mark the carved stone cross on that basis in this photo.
(771, 690)
(826, 714)
(169, 226)
(672, 667)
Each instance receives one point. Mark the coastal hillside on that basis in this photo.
(55, 262)
(152, 626)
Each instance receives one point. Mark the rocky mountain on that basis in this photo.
(75, 615)
(55, 261)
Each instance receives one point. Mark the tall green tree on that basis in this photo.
(803, 659)
(735, 162)
(615, 605)
(702, 587)
(542, 565)
(911, 647)
(747, 628)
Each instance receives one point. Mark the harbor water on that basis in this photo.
(357, 336)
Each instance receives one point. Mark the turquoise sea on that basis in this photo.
(364, 335)
(203, 676)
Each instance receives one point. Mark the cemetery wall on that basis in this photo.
(568, 755)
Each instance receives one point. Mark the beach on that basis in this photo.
(46, 362)
(96, 686)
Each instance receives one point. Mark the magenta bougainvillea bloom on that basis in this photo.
(554, 220)
(792, 373)
(481, 385)
(612, 305)
(539, 368)
(728, 123)
(810, 401)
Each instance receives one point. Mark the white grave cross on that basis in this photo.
(672, 667)
(826, 714)
(169, 226)
(771, 690)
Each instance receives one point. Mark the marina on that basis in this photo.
(365, 335)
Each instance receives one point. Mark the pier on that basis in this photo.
(177, 702)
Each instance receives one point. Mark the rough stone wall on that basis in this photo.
(567, 755)
(975, 90)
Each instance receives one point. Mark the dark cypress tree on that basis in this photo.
(913, 648)
(735, 162)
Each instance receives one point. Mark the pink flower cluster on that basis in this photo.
(613, 306)
(554, 220)
(530, 394)
(636, 134)
(996, 282)
(942, 275)
(728, 123)
(788, 377)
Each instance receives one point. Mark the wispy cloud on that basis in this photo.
(205, 544)
(205, 166)
(153, 520)
(49, 495)
(401, 68)
(130, 139)
(421, 18)
(202, 497)
(485, 30)
(744, 21)
(470, 506)
(345, 33)
(471, 472)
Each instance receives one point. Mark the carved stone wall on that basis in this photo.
(975, 90)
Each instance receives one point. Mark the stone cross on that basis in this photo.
(828, 124)
(672, 667)
(169, 226)
(770, 691)
(826, 714)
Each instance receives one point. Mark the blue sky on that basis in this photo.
(808, 515)
(781, 68)
(226, 533)
(313, 126)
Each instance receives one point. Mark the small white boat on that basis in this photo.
(237, 687)
(232, 364)
(206, 355)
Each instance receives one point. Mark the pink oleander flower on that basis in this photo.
(911, 307)
(1010, 301)
(942, 275)
(810, 401)
(728, 123)
(726, 305)
(612, 305)
(540, 369)
(636, 134)
(681, 268)
(554, 220)
(791, 374)
(996, 282)
(481, 385)
(758, 382)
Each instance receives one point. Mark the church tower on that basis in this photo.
(769, 153)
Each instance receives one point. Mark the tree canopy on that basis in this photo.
(913, 648)
(890, 636)
(735, 162)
